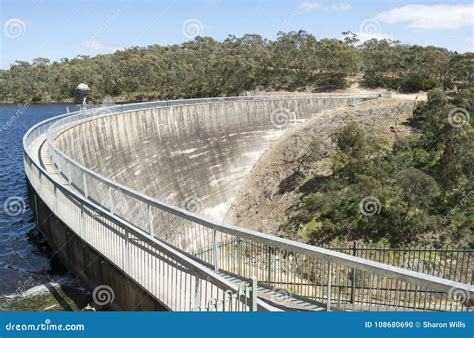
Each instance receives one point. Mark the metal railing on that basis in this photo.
(310, 272)
(451, 263)
(352, 289)
(246, 291)
(174, 279)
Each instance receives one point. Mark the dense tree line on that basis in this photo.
(411, 68)
(420, 189)
(206, 67)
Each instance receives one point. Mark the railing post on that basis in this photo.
(328, 306)
(84, 182)
(81, 222)
(55, 202)
(239, 256)
(151, 230)
(111, 202)
(269, 264)
(126, 253)
(197, 291)
(253, 294)
(216, 253)
(69, 172)
(354, 253)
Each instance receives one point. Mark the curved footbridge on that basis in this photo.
(131, 197)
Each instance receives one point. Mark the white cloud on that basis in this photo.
(309, 6)
(426, 17)
(340, 7)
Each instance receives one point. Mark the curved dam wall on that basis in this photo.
(195, 157)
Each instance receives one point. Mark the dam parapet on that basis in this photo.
(133, 182)
(194, 156)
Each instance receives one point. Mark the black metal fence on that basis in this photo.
(352, 289)
(451, 263)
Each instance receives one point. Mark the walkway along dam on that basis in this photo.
(132, 198)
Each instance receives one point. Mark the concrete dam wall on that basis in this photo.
(196, 157)
(154, 255)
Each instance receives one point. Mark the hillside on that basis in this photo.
(204, 67)
(272, 187)
(388, 171)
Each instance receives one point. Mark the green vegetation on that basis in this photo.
(205, 67)
(411, 68)
(417, 190)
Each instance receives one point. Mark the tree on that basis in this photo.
(350, 38)
(206, 67)
(421, 188)
(418, 188)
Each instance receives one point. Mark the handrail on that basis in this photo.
(199, 269)
(348, 260)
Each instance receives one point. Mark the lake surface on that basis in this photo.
(27, 264)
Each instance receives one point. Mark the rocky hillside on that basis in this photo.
(272, 187)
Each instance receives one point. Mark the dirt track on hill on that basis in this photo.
(268, 192)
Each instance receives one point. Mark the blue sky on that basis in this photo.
(57, 29)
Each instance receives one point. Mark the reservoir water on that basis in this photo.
(29, 269)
